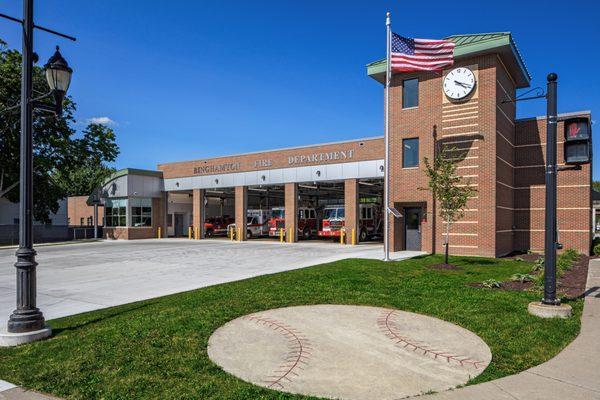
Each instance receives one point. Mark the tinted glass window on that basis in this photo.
(410, 93)
(410, 153)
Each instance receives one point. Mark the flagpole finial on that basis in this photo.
(388, 14)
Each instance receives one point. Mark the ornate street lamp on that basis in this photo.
(58, 75)
(27, 322)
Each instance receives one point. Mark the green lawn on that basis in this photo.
(157, 349)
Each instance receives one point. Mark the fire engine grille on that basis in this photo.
(335, 224)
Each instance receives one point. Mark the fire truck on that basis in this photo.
(370, 221)
(256, 224)
(217, 226)
(307, 222)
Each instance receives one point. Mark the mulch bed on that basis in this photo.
(570, 285)
(444, 267)
(516, 285)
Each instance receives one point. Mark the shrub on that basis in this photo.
(564, 262)
(597, 249)
(491, 283)
(538, 265)
(522, 278)
(519, 259)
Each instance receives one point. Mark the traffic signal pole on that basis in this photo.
(550, 237)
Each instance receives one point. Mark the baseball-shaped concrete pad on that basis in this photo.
(348, 352)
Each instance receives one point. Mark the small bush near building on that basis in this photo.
(522, 278)
(596, 250)
(564, 262)
(491, 284)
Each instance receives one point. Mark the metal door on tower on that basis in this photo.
(412, 228)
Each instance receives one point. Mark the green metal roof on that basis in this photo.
(132, 171)
(476, 44)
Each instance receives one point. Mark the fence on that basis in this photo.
(9, 234)
(83, 232)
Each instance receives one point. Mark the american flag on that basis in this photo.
(410, 54)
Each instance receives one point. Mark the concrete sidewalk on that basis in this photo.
(574, 374)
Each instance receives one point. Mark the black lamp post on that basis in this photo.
(27, 317)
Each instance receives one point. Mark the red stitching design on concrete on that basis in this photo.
(294, 360)
(384, 323)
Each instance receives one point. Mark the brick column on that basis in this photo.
(352, 209)
(241, 210)
(158, 217)
(198, 211)
(291, 210)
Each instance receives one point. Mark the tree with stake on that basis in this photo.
(448, 190)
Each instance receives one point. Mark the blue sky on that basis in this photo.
(190, 79)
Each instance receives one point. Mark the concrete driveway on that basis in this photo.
(74, 278)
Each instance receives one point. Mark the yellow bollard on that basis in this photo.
(190, 232)
(353, 236)
(291, 236)
(196, 233)
(159, 232)
(239, 234)
(281, 235)
(231, 233)
(342, 236)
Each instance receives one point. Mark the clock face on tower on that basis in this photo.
(459, 83)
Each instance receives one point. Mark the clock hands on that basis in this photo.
(465, 85)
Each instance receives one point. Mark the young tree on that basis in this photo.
(449, 190)
(57, 151)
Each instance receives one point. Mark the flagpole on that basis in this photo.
(386, 190)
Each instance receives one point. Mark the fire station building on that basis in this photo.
(501, 156)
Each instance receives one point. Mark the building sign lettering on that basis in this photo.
(263, 163)
(321, 157)
(215, 169)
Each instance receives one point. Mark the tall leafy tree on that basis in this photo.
(449, 190)
(59, 152)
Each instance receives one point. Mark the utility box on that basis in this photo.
(578, 141)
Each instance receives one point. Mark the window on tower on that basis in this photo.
(410, 93)
(410, 153)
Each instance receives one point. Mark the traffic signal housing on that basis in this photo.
(578, 141)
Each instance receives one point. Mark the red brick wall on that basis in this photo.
(129, 233)
(198, 211)
(469, 129)
(573, 192)
(241, 205)
(352, 209)
(77, 208)
(291, 211)
(367, 149)
(502, 158)
(505, 159)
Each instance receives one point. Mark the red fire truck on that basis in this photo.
(369, 225)
(217, 226)
(307, 222)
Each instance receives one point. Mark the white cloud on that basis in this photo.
(101, 121)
